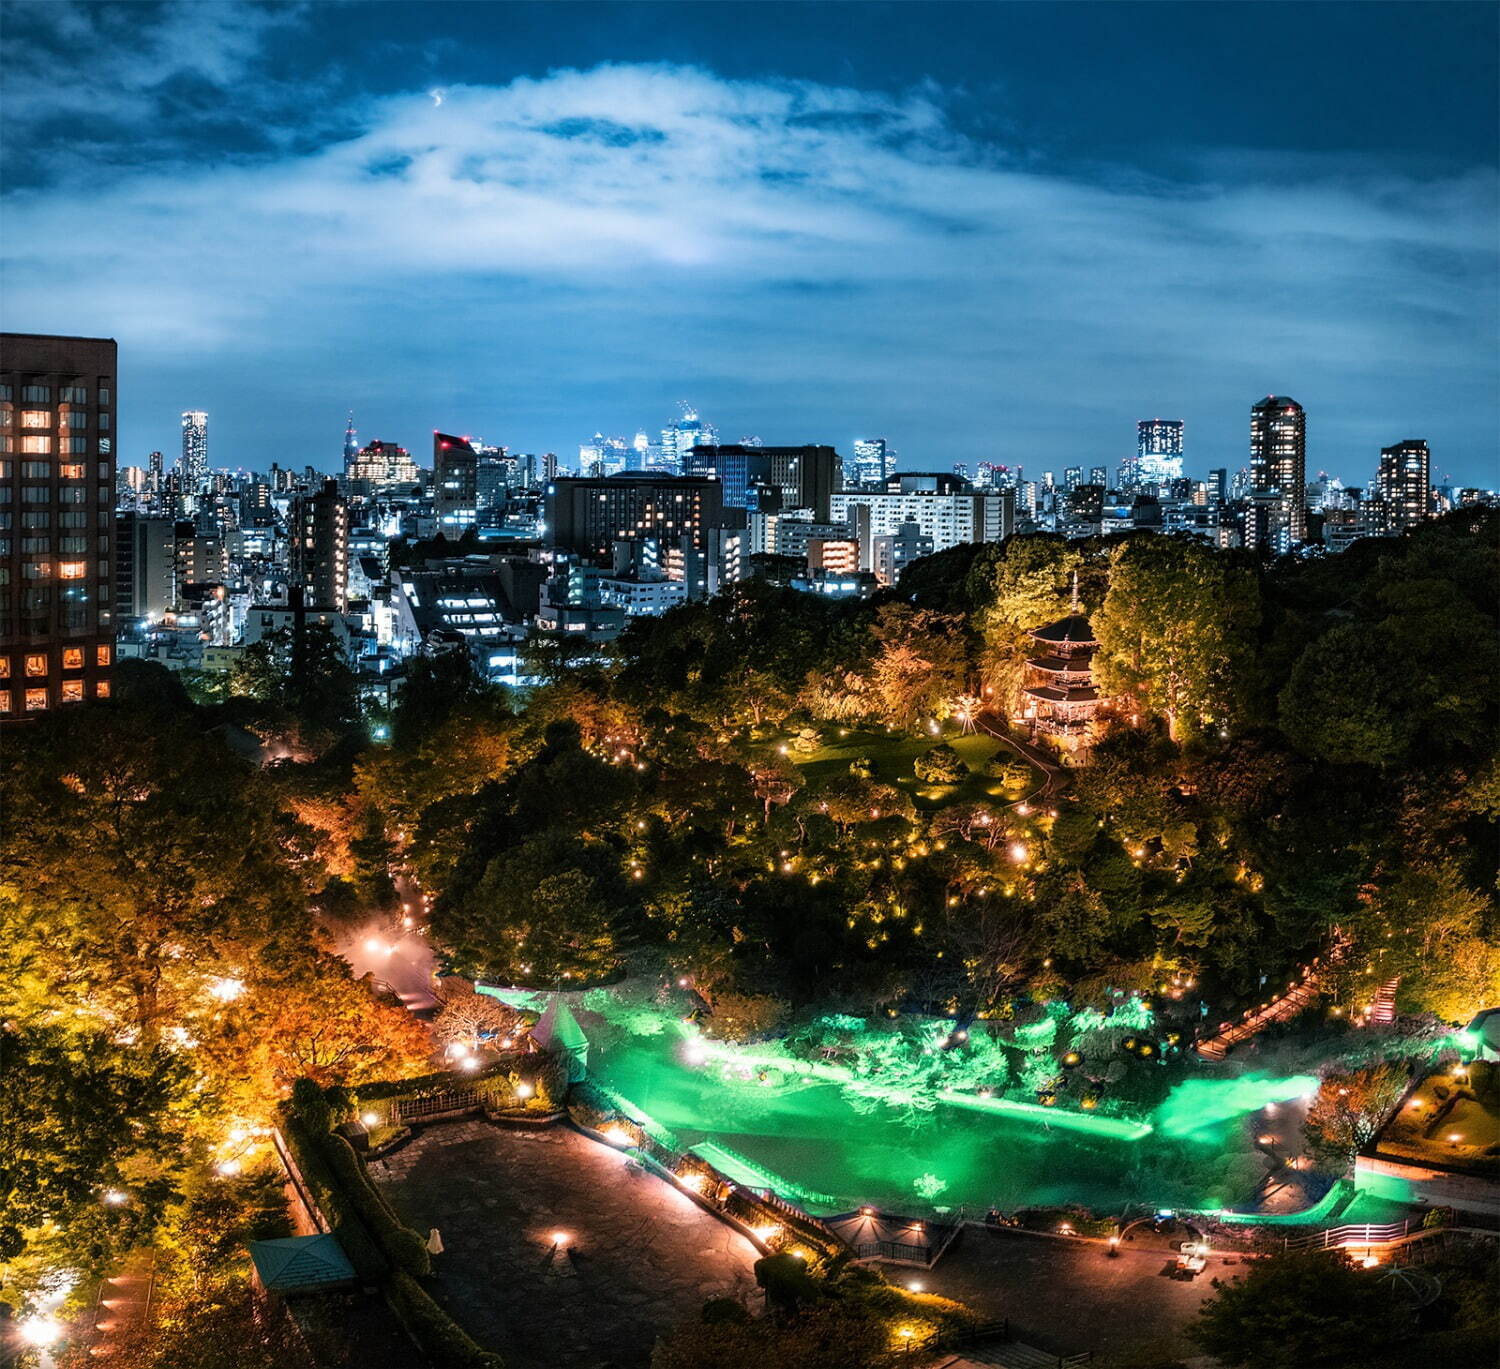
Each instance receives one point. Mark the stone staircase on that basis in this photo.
(1383, 1005)
(1010, 1355)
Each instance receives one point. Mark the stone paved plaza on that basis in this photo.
(638, 1256)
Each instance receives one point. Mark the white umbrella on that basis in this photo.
(434, 1242)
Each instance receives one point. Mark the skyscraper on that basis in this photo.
(1158, 451)
(57, 478)
(454, 474)
(320, 547)
(1405, 482)
(871, 462)
(351, 442)
(192, 466)
(1278, 466)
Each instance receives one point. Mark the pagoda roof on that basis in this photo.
(1075, 629)
(1058, 694)
(1062, 665)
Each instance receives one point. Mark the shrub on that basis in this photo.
(402, 1246)
(941, 765)
(862, 767)
(440, 1337)
(329, 1196)
(1013, 774)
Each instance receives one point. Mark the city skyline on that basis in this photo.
(532, 243)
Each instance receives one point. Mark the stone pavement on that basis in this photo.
(1070, 1296)
(637, 1255)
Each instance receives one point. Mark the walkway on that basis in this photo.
(1066, 1297)
(635, 1257)
(1299, 995)
(1029, 751)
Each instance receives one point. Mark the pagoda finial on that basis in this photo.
(1073, 606)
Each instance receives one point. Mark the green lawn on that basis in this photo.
(893, 754)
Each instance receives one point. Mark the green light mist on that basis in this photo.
(1202, 1105)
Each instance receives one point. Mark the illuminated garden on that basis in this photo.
(846, 911)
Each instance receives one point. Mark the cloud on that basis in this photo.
(805, 253)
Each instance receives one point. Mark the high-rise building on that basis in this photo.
(872, 460)
(1098, 475)
(588, 517)
(1218, 485)
(678, 439)
(795, 477)
(1072, 477)
(1158, 451)
(1278, 466)
(380, 468)
(193, 463)
(57, 483)
(351, 442)
(145, 566)
(320, 548)
(454, 477)
(1405, 482)
(945, 518)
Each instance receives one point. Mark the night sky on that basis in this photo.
(983, 232)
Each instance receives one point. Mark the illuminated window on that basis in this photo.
(4, 667)
(7, 701)
(39, 445)
(101, 690)
(72, 658)
(71, 472)
(36, 699)
(36, 666)
(35, 418)
(101, 655)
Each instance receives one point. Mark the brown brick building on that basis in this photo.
(57, 497)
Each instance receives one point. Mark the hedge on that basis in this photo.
(402, 1246)
(440, 1337)
(332, 1200)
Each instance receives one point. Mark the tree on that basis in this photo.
(310, 679)
(466, 1018)
(1302, 1307)
(538, 915)
(1349, 1110)
(941, 765)
(1176, 633)
(80, 1114)
(1026, 587)
(142, 861)
(316, 1022)
(1348, 701)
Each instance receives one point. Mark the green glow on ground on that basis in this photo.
(1116, 1127)
(1199, 1106)
(832, 1137)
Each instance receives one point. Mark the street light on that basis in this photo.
(41, 1330)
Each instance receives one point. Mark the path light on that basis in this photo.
(370, 1119)
(560, 1238)
(227, 1169)
(226, 990)
(917, 1286)
(524, 1090)
(115, 1197)
(768, 1233)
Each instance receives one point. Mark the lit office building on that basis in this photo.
(1278, 466)
(192, 465)
(587, 517)
(1405, 482)
(455, 496)
(1158, 451)
(320, 547)
(380, 468)
(57, 488)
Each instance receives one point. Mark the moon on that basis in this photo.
(437, 97)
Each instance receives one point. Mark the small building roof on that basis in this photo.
(1075, 629)
(557, 1027)
(297, 1262)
